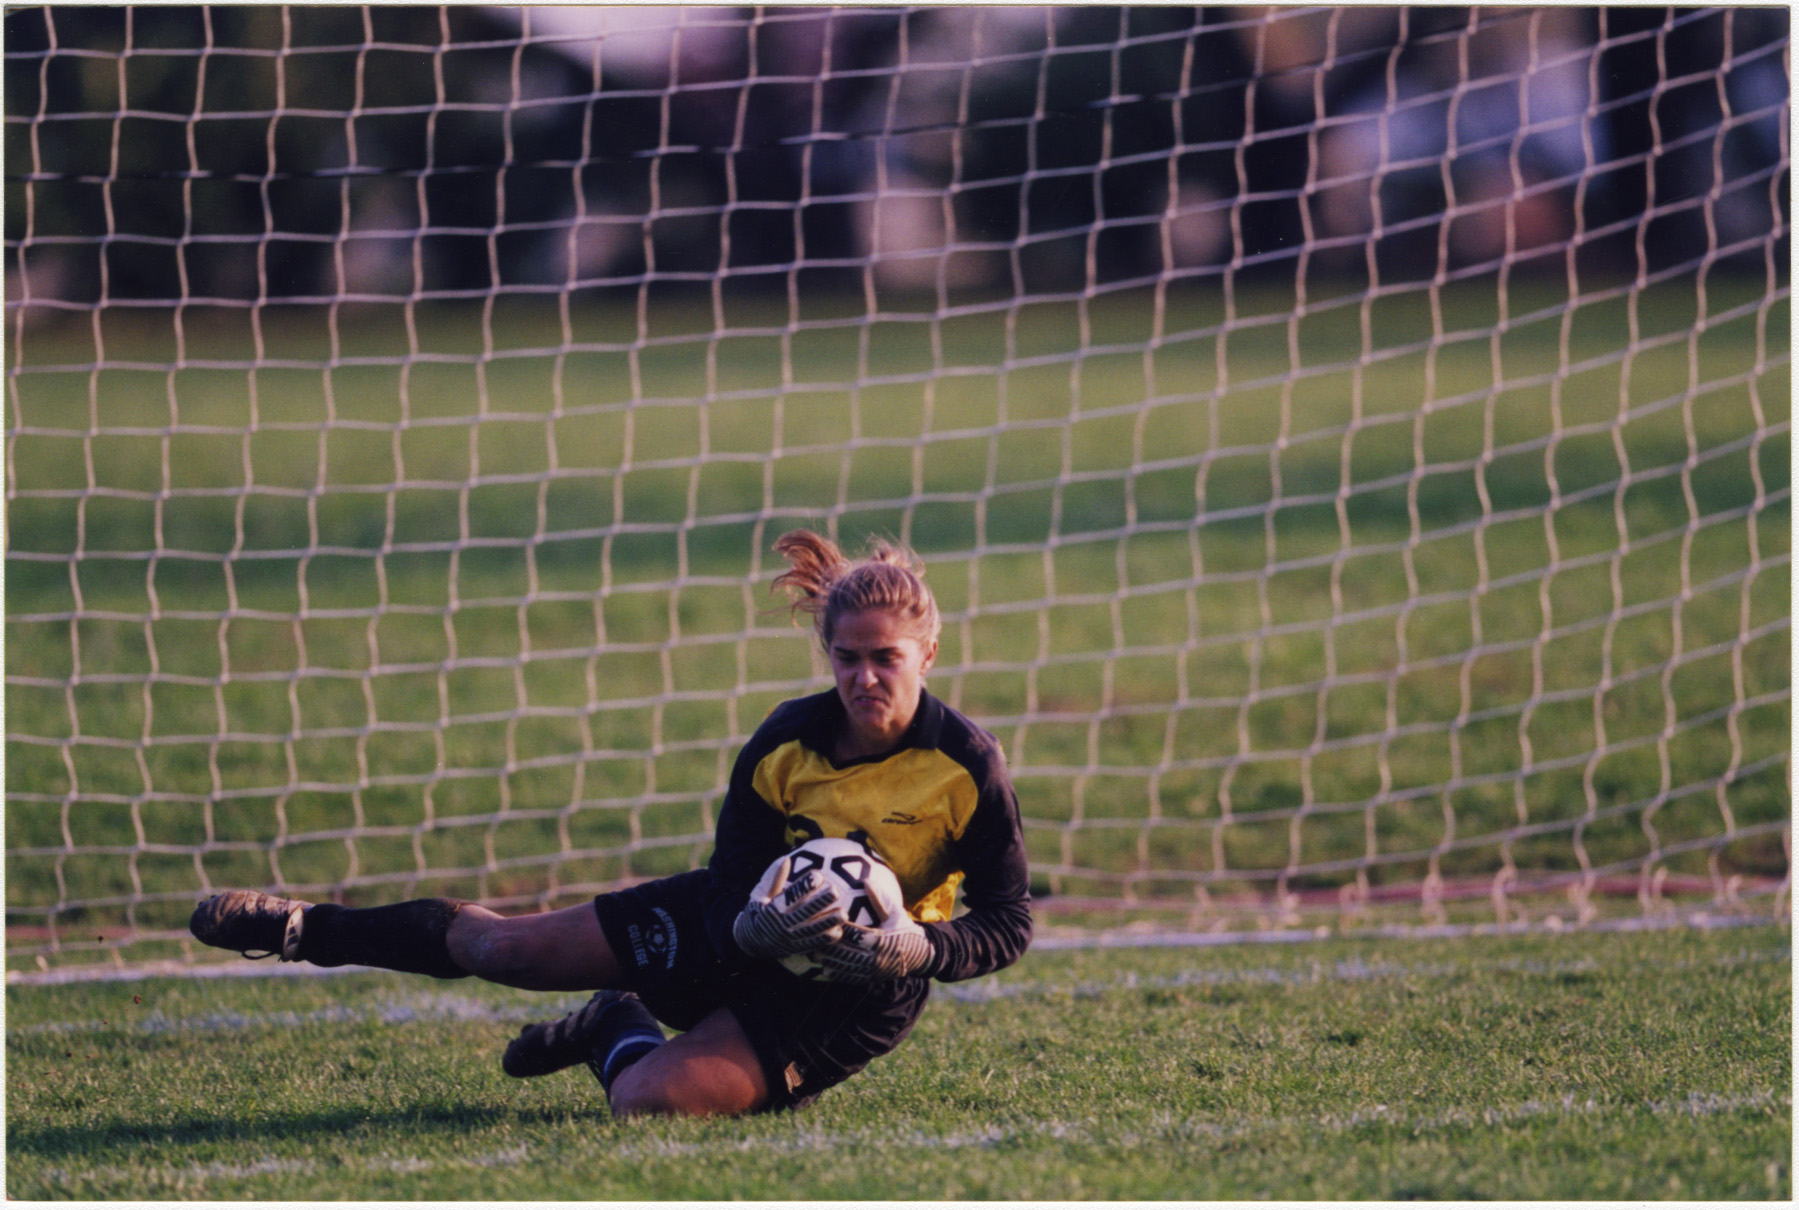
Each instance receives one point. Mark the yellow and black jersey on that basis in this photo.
(940, 809)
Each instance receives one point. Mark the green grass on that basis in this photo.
(1615, 1066)
(1395, 569)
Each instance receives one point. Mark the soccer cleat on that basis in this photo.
(568, 1041)
(252, 923)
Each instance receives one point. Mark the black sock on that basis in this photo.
(628, 1034)
(406, 936)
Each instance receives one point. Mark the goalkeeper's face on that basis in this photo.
(879, 665)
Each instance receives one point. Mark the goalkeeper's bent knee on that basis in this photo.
(410, 937)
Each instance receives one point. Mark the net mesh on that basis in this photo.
(1350, 446)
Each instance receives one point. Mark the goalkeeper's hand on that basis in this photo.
(899, 947)
(789, 917)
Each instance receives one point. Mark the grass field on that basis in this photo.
(1617, 1066)
(470, 605)
(1369, 591)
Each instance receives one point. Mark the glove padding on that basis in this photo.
(785, 917)
(899, 947)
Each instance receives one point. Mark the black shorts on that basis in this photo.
(807, 1035)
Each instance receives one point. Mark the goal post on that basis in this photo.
(1350, 446)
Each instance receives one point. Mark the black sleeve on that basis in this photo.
(996, 889)
(751, 834)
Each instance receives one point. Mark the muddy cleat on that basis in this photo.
(252, 923)
(568, 1041)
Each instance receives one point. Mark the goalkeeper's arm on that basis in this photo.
(751, 836)
(995, 927)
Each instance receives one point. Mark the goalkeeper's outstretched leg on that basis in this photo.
(710, 1069)
(446, 938)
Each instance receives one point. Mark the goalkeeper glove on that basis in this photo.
(785, 917)
(899, 947)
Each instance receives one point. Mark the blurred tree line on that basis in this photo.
(253, 152)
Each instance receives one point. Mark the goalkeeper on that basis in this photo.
(877, 759)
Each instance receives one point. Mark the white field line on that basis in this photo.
(1701, 919)
(1348, 970)
(181, 1175)
(432, 1006)
(427, 1008)
(1162, 1131)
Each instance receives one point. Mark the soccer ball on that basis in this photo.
(867, 884)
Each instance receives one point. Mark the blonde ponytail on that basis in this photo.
(825, 584)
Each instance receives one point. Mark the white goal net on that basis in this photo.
(1350, 446)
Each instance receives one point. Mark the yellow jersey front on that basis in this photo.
(910, 808)
(939, 809)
